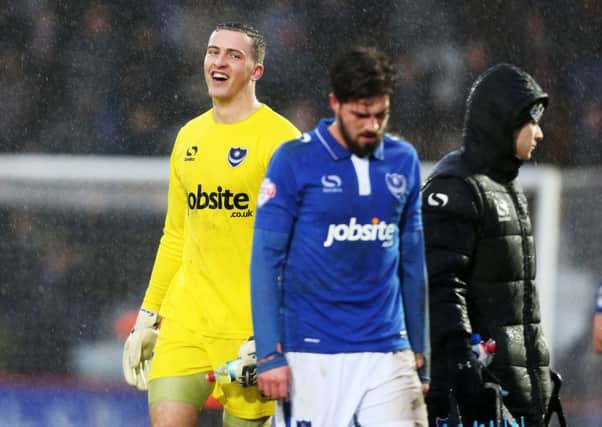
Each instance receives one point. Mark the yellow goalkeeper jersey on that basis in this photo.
(201, 273)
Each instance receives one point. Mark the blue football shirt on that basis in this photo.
(338, 253)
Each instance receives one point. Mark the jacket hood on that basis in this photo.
(494, 107)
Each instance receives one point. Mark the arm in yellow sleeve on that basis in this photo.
(169, 254)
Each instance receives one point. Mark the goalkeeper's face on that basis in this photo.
(229, 66)
(360, 124)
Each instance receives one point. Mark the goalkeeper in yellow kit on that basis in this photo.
(199, 286)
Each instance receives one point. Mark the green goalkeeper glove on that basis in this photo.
(138, 349)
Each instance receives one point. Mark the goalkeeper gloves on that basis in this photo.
(243, 369)
(138, 349)
(246, 370)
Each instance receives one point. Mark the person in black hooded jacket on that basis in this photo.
(481, 258)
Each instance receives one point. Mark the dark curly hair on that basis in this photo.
(362, 72)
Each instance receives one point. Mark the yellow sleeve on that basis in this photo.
(169, 254)
(284, 131)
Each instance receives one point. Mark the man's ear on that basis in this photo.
(257, 72)
(333, 101)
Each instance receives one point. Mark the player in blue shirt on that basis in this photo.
(338, 272)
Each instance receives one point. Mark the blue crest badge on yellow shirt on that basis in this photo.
(236, 155)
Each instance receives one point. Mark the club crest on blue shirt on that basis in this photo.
(396, 183)
(236, 155)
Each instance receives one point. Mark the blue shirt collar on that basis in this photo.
(336, 150)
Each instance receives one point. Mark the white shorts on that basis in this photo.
(353, 389)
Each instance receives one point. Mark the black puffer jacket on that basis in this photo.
(480, 249)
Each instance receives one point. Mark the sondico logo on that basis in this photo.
(220, 199)
(352, 232)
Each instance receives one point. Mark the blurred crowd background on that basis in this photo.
(121, 77)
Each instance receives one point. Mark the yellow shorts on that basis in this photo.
(181, 351)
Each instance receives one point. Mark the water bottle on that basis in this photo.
(483, 350)
(242, 371)
(226, 373)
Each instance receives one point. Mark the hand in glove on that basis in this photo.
(467, 382)
(246, 370)
(138, 349)
(465, 371)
